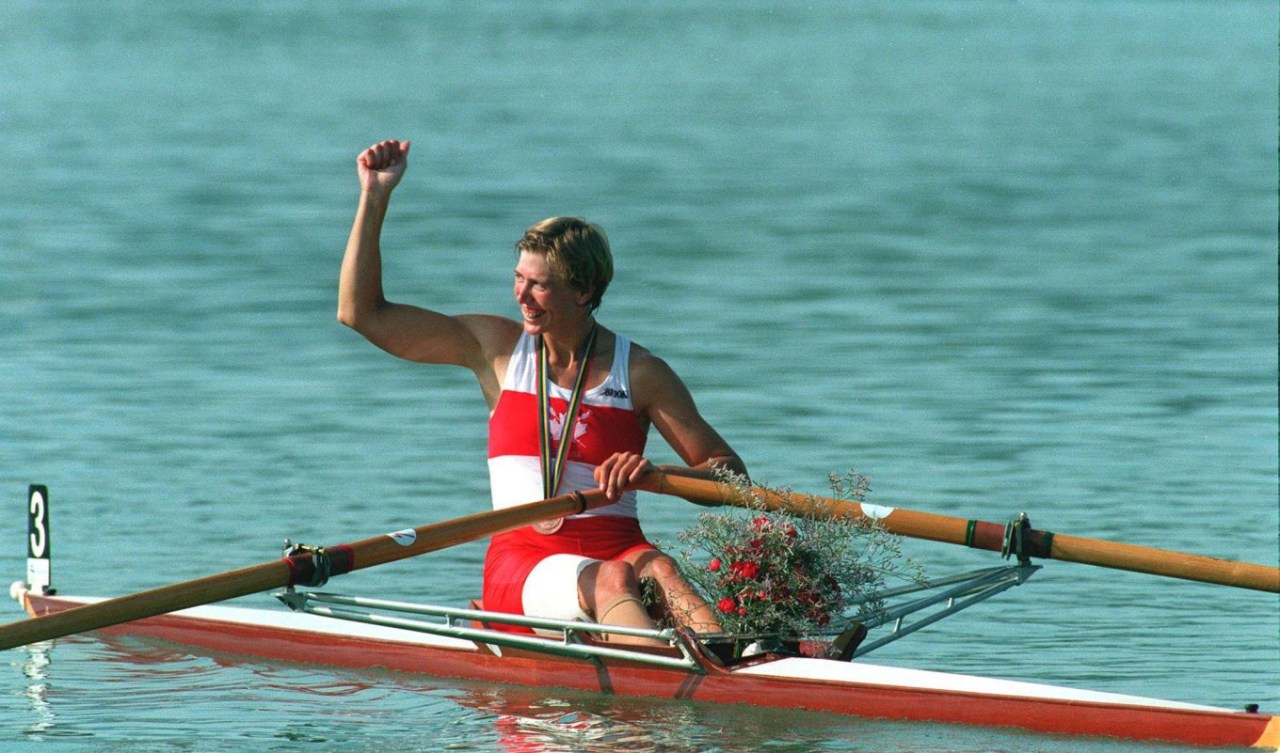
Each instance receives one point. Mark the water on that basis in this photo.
(997, 256)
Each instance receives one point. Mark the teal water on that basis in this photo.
(1000, 257)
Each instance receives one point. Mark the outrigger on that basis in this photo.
(357, 632)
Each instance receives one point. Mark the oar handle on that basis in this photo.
(292, 570)
(979, 534)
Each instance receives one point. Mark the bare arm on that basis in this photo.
(676, 417)
(666, 402)
(410, 332)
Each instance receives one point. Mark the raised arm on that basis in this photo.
(410, 332)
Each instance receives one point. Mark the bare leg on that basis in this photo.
(684, 603)
(610, 591)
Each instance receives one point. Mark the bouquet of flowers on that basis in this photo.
(768, 573)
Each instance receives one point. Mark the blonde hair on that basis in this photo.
(576, 250)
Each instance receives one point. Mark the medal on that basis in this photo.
(553, 466)
(548, 527)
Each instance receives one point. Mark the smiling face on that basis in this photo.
(547, 303)
(576, 251)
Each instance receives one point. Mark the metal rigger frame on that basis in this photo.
(455, 623)
(945, 596)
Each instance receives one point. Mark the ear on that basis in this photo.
(584, 296)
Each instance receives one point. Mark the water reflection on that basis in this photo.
(35, 665)
(551, 721)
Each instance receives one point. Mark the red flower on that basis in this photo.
(745, 570)
(762, 523)
(714, 565)
(727, 605)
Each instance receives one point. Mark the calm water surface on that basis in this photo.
(1000, 257)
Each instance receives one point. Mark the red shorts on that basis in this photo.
(512, 555)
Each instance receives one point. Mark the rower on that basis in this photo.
(570, 405)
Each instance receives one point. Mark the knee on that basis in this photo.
(661, 568)
(614, 579)
(605, 581)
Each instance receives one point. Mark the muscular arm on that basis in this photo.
(410, 332)
(663, 399)
(671, 409)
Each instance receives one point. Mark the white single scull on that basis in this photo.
(446, 642)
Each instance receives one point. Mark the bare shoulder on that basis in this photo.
(660, 395)
(495, 334)
(653, 380)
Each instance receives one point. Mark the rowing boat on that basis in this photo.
(337, 630)
(350, 632)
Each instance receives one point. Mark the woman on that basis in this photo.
(555, 372)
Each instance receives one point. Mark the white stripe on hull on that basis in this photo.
(823, 670)
(817, 670)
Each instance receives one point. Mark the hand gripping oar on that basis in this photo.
(308, 567)
(982, 535)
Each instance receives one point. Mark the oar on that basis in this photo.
(981, 535)
(306, 568)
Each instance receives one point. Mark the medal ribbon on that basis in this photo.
(553, 468)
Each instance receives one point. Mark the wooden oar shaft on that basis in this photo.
(146, 604)
(983, 535)
(291, 570)
(1164, 562)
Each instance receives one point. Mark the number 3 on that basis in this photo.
(38, 538)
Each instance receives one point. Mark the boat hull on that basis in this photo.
(855, 689)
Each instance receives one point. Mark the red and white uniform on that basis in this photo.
(607, 423)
